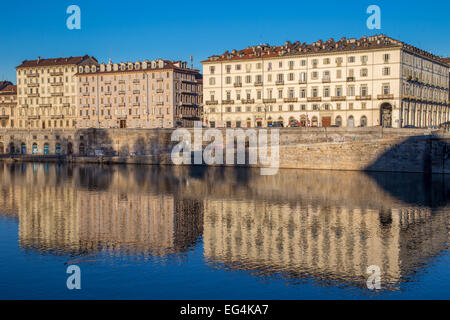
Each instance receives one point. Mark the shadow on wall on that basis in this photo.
(425, 154)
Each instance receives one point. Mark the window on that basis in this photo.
(326, 92)
(228, 68)
(364, 91)
(237, 67)
(386, 71)
(291, 64)
(364, 72)
(326, 61)
(212, 69)
(386, 57)
(228, 80)
(364, 59)
(351, 59)
(386, 89)
(291, 77)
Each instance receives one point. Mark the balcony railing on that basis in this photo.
(108, 116)
(238, 85)
(121, 104)
(228, 102)
(338, 98)
(302, 81)
(258, 83)
(136, 91)
(122, 92)
(32, 85)
(385, 96)
(366, 97)
(350, 79)
(287, 100)
(326, 80)
(66, 104)
(269, 100)
(279, 82)
(57, 73)
(55, 84)
(57, 94)
(159, 90)
(33, 74)
(314, 99)
(212, 102)
(45, 105)
(247, 101)
(136, 81)
(33, 95)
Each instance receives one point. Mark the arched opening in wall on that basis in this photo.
(338, 121)
(386, 115)
(35, 148)
(12, 148)
(23, 148)
(350, 122)
(303, 121)
(69, 148)
(292, 122)
(249, 123)
(363, 121)
(58, 149)
(3, 123)
(81, 149)
(2, 148)
(314, 122)
(46, 149)
(269, 122)
(280, 121)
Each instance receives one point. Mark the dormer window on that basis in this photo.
(130, 66)
(80, 69)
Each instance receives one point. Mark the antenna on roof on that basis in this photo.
(192, 62)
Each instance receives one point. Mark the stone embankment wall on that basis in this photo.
(370, 149)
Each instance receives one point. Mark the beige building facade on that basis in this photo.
(351, 82)
(8, 105)
(46, 92)
(148, 94)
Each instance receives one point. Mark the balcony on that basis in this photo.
(301, 81)
(248, 101)
(314, 99)
(107, 82)
(159, 90)
(85, 83)
(33, 95)
(160, 79)
(367, 97)
(136, 116)
(85, 94)
(227, 101)
(162, 103)
(338, 98)
(66, 104)
(4, 117)
(56, 84)
(86, 117)
(122, 92)
(108, 116)
(279, 82)
(136, 91)
(107, 105)
(122, 104)
(57, 94)
(56, 73)
(238, 85)
(136, 81)
(258, 84)
(86, 106)
(45, 105)
(59, 116)
(269, 100)
(32, 85)
(211, 102)
(108, 93)
(350, 79)
(136, 104)
(34, 117)
(121, 81)
(385, 96)
(326, 80)
(32, 75)
(287, 100)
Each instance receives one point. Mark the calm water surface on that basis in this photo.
(147, 232)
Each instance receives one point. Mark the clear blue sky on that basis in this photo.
(137, 30)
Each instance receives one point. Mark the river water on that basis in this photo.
(150, 232)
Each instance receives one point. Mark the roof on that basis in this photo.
(4, 84)
(319, 47)
(9, 89)
(53, 62)
(446, 60)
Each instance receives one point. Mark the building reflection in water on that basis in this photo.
(313, 225)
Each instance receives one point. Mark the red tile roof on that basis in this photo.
(318, 47)
(53, 62)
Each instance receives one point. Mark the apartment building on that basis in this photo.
(148, 94)
(8, 105)
(46, 92)
(370, 81)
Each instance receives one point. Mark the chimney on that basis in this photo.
(39, 59)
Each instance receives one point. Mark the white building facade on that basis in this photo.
(351, 82)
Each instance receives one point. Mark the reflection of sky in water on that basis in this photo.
(150, 232)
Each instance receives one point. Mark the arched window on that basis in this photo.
(350, 121)
(363, 121)
(338, 121)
